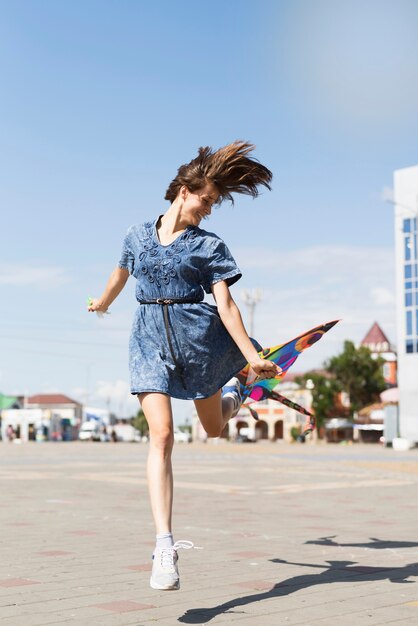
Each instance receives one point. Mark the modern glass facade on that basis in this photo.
(410, 273)
(405, 194)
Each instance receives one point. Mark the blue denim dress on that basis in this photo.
(202, 347)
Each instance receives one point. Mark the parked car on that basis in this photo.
(243, 439)
(245, 436)
(181, 437)
(126, 432)
(89, 431)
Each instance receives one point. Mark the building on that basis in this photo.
(338, 430)
(406, 243)
(8, 403)
(44, 416)
(369, 423)
(24, 425)
(379, 345)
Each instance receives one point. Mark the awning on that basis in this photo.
(6, 402)
(90, 417)
(390, 395)
(338, 422)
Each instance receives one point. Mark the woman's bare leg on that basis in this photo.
(158, 413)
(214, 413)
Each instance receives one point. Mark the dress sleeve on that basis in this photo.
(220, 265)
(127, 259)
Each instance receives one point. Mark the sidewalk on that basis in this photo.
(294, 535)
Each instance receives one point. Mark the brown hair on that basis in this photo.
(229, 169)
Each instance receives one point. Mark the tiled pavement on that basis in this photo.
(303, 534)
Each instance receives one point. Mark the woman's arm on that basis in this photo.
(115, 284)
(232, 320)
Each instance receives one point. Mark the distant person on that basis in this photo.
(104, 435)
(180, 346)
(10, 433)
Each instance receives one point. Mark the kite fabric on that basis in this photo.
(284, 355)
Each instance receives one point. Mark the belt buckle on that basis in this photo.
(164, 301)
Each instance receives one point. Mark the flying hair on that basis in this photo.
(229, 169)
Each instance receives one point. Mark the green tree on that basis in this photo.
(185, 428)
(140, 423)
(358, 374)
(324, 389)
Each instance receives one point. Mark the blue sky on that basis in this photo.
(102, 101)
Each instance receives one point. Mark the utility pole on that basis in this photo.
(251, 299)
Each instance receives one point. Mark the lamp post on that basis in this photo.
(251, 299)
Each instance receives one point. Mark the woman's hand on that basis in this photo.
(264, 369)
(96, 306)
(115, 284)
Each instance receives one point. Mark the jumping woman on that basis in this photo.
(180, 346)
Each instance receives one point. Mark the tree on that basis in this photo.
(324, 389)
(186, 427)
(358, 374)
(140, 423)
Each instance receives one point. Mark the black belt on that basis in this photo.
(170, 301)
(164, 302)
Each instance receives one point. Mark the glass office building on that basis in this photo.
(410, 263)
(406, 236)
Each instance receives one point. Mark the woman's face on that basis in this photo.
(197, 205)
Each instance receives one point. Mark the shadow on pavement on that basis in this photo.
(336, 571)
(376, 544)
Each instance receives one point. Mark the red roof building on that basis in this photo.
(58, 408)
(376, 340)
(379, 345)
(44, 416)
(48, 399)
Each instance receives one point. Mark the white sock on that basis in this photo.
(164, 540)
(229, 390)
(235, 399)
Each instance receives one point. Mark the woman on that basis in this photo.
(180, 346)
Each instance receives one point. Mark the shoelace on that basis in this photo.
(167, 554)
(185, 544)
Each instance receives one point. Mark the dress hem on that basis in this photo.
(178, 397)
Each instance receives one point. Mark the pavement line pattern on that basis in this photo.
(297, 535)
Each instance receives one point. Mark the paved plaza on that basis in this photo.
(321, 535)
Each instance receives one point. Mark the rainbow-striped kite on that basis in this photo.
(284, 355)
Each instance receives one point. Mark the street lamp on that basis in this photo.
(251, 299)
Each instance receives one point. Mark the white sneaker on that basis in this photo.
(165, 573)
(232, 389)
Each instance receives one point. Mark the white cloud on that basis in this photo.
(116, 394)
(322, 261)
(382, 296)
(41, 276)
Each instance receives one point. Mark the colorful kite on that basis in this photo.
(284, 355)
